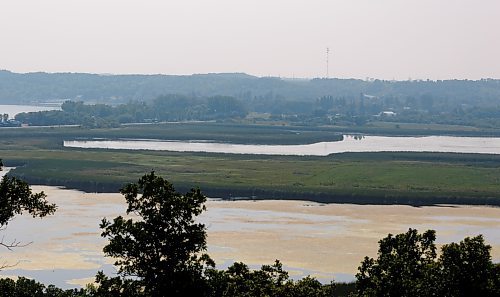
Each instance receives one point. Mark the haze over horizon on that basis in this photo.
(384, 39)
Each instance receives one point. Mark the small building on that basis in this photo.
(388, 113)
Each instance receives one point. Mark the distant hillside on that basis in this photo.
(33, 87)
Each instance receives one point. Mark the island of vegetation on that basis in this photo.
(365, 178)
(340, 102)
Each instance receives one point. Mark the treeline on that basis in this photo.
(112, 89)
(312, 102)
(327, 110)
(424, 109)
(164, 108)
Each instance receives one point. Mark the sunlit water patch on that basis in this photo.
(324, 240)
(446, 144)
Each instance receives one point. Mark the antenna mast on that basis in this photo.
(327, 62)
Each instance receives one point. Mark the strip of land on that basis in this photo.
(363, 178)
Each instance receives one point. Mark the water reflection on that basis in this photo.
(324, 240)
(350, 143)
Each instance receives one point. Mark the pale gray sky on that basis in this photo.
(400, 39)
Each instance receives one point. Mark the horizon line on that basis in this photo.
(286, 78)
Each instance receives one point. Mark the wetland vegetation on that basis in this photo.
(374, 178)
(176, 261)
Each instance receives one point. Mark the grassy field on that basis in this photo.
(378, 178)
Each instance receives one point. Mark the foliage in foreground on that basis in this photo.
(23, 287)
(163, 249)
(161, 253)
(271, 280)
(15, 198)
(407, 265)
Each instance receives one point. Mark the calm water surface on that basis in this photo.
(482, 145)
(326, 241)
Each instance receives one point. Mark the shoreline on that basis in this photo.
(324, 240)
(234, 194)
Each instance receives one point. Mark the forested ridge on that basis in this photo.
(312, 102)
(40, 86)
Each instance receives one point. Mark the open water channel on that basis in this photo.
(327, 241)
(449, 144)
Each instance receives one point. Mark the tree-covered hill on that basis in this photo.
(40, 86)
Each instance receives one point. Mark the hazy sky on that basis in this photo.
(388, 39)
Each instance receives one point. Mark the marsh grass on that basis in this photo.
(405, 178)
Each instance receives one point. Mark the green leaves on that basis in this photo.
(162, 247)
(161, 250)
(466, 268)
(271, 280)
(407, 265)
(16, 197)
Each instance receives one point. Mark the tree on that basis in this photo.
(114, 287)
(271, 280)
(407, 265)
(15, 198)
(404, 266)
(162, 249)
(466, 269)
(225, 106)
(23, 287)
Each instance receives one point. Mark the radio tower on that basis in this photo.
(327, 62)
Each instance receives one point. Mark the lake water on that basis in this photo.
(449, 144)
(325, 241)
(12, 110)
